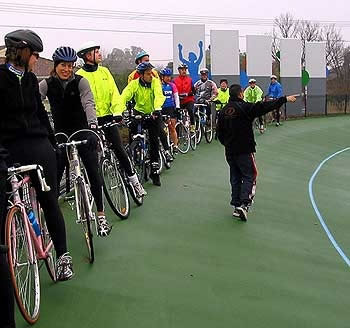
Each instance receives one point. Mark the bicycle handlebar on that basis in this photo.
(27, 168)
(72, 143)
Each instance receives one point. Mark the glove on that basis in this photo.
(118, 118)
(218, 102)
(53, 141)
(157, 113)
(91, 142)
(93, 126)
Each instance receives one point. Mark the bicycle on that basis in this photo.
(183, 132)
(84, 202)
(28, 240)
(203, 123)
(115, 179)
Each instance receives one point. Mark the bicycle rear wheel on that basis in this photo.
(183, 136)
(114, 188)
(208, 130)
(23, 265)
(82, 204)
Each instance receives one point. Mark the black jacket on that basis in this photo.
(66, 107)
(22, 114)
(234, 128)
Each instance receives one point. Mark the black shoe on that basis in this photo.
(168, 156)
(243, 212)
(155, 179)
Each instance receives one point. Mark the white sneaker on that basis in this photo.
(139, 190)
(64, 267)
(103, 228)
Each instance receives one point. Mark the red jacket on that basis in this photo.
(184, 86)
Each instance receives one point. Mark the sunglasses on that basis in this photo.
(36, 55)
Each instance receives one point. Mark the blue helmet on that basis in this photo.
(140, 55)
(65, 54)
(142, 67)
(166, 71)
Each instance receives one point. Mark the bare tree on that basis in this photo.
(285, 26)
(307, 32)
(335, 49)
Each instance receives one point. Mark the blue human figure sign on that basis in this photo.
(193, 61)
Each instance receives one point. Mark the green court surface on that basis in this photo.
(181, 260)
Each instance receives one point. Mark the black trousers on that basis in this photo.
(153, 125)
(113, 136)
(243, 175)
(190, 109)
(90, 161)
(40, 151)
(7, 319)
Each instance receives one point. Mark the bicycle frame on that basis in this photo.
(35, 242)
(78, 177)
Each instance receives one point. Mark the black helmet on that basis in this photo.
(24, 39)
(182, 66)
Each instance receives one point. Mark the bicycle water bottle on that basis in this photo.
(34, 222)
(203, 119)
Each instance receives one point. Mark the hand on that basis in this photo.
(53, 141)
(292, 98)
(218, 102)
(200, 44)
(118, 118)
(179, 46)
(157, 113)
(93, 127)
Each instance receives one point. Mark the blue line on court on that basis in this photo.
(320, 218)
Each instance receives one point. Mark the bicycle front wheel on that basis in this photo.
(82, 203)
(208, 130)
(23, 265)
(183, 136)
(114, 188)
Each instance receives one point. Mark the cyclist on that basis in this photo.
(274, 92)
(235, 132)
(223, 95)
(26, 134)
(73, 109)
(149, 99)
(205, 90)
(7, 317)
(172, 102)
(107, 97)
(253, 94)
(141, 57)
(186, 92)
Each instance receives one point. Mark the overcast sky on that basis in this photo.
(160, 46)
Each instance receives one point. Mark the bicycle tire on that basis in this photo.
(208, 134)
(82, 203)
(50, 261)
(199, 133)
(183, 136)
(27, 297)
(138, 159)
(114, 188)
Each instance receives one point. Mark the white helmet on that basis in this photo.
(252, 81)
(86, 47)
(204, 71)
(273, 77)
